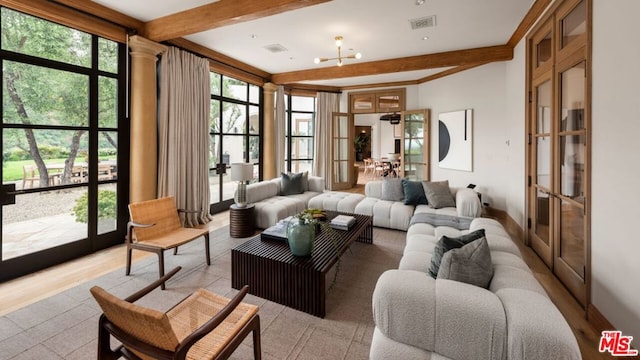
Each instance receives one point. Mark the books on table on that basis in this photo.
(277, 231)
(342, 222)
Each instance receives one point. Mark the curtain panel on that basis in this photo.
(183, 130)
(327, 104)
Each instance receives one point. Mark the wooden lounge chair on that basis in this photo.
(202, 326)
(155, 226)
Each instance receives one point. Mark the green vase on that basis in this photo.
(300, 236)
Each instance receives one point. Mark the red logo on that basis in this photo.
(617, 344)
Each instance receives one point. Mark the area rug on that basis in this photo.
(65, 326)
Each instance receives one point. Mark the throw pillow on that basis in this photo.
(291, 184)
(392, 190)
(470, 264)
(413, 192)
(305, 180)
(447, 243)
(438, 194)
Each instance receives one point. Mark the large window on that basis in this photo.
(234, 132)
(300, 126)
(62, 105)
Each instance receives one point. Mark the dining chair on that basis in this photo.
(369, 167)
(204, 325)
(155, 226)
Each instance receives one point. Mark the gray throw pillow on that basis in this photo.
(438, 194)
(448, 243)
(291, 184)
(305, 180)
(470, 264)
(413, 192)
(392, 190)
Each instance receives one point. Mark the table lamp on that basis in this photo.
(242, 173)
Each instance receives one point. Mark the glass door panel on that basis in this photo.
(574, 24)
(342, 152)
(572, 249)
(415, 151)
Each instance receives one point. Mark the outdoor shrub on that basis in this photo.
(107, 200)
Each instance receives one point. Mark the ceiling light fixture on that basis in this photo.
(419, 2)
(340, 57)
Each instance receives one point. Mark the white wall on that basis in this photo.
(482, 89)
(615, 245)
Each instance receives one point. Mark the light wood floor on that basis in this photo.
(23, 291)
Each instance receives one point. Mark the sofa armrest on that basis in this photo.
(438, 315)
(468, 203)
(316, 183)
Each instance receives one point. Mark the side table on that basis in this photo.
(241, 221)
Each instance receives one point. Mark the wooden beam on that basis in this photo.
(420, 62)
(218, 14)
(448, 72)
(67, 16)
(535, 11)
(379, 85)
(224, 64)
(103, 12)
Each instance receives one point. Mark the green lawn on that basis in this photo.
(12, 170)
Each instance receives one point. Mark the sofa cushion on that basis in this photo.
(291, 184)
(470, 264)
(413, 192)
(447, 243)
(438, 194)
(392, 190)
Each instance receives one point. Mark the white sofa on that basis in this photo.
(397, 215)
(418, 317)
(270, 206)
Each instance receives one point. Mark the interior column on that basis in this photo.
(143, 121)
(268, 134)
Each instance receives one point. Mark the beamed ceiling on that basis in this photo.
(236, 34)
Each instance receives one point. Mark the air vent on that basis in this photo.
(275, 48)
(421, 23)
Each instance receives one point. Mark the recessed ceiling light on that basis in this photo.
(419, 2)
(253, 36)
(425, 38)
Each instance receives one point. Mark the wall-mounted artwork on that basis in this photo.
(455, 140)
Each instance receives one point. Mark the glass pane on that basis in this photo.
(43, 96)
(215, 83)
(572, 237)
(55, 148)
(388, 103)
(214, 187)
(214, 116)
(254, 120)
(543, 102)
(107, 155)
(254, 149)
(43, 220)
(543, 50)
(107, 208)
(29, 35)
(341, 127)
(343, 149)
(543, 160)
(298, 166)
(572, 176)
(107, 55)
(302, 103)
(302, 124)
(542, 217)
(302, 148)
(340, 174)
(573, 90)
(107, 102)
(574, 24)
(254, 94)
(214, 151)
(362, 102)
(234, 89)
(234, 118)
(233, 149)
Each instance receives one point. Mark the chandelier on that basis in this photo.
(340, 57)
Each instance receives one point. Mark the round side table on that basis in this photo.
(241, 221)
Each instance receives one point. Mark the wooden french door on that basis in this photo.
(415, 153)
(342, 151)
(559, 144)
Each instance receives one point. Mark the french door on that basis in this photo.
(342, 151)
(414, 153)
(559, 144)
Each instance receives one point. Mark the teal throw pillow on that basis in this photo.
(470, 264)
(291, 184)
(448, 243)
(413, 192)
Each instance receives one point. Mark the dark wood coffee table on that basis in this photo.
(273, 273)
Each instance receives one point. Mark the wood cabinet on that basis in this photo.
(383, 101)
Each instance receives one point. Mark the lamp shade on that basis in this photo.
(241, 171)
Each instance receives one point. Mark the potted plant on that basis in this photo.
(360, 142)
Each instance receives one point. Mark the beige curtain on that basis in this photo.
(327, 104)
(183, 126)
(280, 124)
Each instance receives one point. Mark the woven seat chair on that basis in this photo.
(202, 326)
(155, 226)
